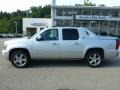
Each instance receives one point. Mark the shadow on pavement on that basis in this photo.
(57, 63)
(114, 63)
(111, 63)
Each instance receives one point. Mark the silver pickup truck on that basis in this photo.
(61, 43)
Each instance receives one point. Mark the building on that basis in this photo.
(100, 19)
(33, 25)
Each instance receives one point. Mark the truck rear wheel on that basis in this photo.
(94, 58)
(19, 59)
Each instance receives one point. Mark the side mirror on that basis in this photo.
(39, 38)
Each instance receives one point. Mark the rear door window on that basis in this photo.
(70, 34)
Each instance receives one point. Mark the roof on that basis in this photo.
(71, 27)
(88, 7)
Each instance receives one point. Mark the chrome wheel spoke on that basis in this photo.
(94, 59)
(16, 61)
(91, 57)
(21, 56)
(98, 58)
(23, 60)
(21, 63)
(19, 60)
(91, 61)
(94, 56)
(16, 57)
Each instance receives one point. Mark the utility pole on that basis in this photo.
(16, 31)
(53, 11)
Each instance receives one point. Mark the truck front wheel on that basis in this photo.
(94, 58)
(19, 59)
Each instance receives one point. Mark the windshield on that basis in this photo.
(29, 37)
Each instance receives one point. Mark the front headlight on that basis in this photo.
(5, 46)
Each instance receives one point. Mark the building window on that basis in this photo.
(59, 22)
(115, 13)
(119, 24)
(95, 12)
(94, 23)
(86, 12)
(59, 12)
(67, 22)
(85, 23)
(67, 12)
(95, 26)
(112, 24)
(105, 12)
(77, 11)
(118, 29)
(103, 28)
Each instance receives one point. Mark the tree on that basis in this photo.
(11, 24)
(41, 12)
(4, 15)
(3, 26)
(7, 20)
(88, 3)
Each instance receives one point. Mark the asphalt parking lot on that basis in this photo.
(59, 75)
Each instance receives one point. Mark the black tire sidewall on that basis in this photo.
(18, 52)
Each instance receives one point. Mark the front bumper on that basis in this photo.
(5, 54)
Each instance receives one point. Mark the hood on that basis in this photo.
(18, 41)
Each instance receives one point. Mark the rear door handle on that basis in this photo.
(55, 43)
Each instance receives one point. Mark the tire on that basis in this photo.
(19, 59)
(94, 59)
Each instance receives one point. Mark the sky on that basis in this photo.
(13, 5)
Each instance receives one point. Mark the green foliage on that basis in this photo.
(11, 24)
(40, 12)
(86, 3)
(3, 26)
(7, 20)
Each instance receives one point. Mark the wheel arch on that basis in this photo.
(19, 49)
(101, 50)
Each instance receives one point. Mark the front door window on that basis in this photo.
(51, 34)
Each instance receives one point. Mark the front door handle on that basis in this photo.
(77, 43)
